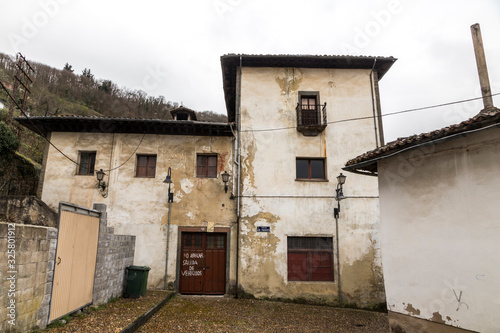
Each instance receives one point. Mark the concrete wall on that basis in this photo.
(138, 206)
(114, 254)
(440, 232)
(26, 286)
(272, 197)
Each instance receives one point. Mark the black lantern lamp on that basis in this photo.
(225, 179)
(168, 181)
(340, 181)
(101, 183)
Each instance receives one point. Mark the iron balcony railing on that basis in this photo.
(311, 116)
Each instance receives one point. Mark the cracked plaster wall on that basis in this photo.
(271, 193)
(138, 206)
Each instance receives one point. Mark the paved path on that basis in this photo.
(218, 314)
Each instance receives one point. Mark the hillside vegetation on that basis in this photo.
(63, 92)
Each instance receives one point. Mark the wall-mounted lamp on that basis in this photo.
(225, 179)
(168, 181)
(101, 185)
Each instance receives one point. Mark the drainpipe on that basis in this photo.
(238, 188)
(481, 67)
(373, 103)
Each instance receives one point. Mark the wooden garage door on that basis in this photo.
(203, 263)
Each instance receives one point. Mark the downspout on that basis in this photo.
(373, 103)
(238, 188)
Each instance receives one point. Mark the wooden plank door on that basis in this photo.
(192, 263)
(75, 263)
(215, 264)
(203, 263)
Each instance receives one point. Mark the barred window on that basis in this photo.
(310, 259)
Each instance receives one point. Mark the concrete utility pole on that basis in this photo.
(481, 67)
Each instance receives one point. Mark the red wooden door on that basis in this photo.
(203, 263)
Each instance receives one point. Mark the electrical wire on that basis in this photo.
(53, 145)
(255, 130)
(371, 117)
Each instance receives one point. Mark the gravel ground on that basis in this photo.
(112, 317)
(218, 314)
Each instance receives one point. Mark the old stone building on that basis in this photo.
(270, 230)
(135, 156)
(299, 118)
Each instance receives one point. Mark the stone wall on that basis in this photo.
(26, 286)
(114, 254)
(27, 255)
(27, 210)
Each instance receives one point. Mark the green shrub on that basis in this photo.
(8, 141)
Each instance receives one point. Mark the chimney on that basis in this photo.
(481, 68)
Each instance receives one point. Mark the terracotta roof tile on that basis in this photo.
(368, 160)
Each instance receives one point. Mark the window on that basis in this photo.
(87, 163)
(146, 166)
(310, 168)
(310, 259)
(309, 108)
(206, 166)
(311, 115)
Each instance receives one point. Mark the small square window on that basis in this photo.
(87, 163)
(206, 166)
(310, 168)
(310, 259)
(146, 166)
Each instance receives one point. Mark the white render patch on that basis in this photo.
(186, 185)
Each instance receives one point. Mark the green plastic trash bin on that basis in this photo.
(137, 281)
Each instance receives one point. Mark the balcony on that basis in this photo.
(311, 119)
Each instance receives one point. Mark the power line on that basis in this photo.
(55, 147)
(371, 117)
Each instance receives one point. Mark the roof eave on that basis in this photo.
(231, 62)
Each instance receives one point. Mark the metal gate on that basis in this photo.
(203, 263)
(76, 253)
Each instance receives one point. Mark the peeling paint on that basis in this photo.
(411, 310)
(362, 280)
(437, 318)
(186, 185)
(289, 79)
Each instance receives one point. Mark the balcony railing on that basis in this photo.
(311, 119)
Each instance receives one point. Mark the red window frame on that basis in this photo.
(310, 259)
(206, 166)
(146, 166)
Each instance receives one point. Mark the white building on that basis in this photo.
(440, 228)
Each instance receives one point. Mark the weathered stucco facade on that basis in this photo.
(440, 232)
(439, 227)
(272, 196)
(270, 209)
(139, 206)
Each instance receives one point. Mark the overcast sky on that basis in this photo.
(173, 48)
